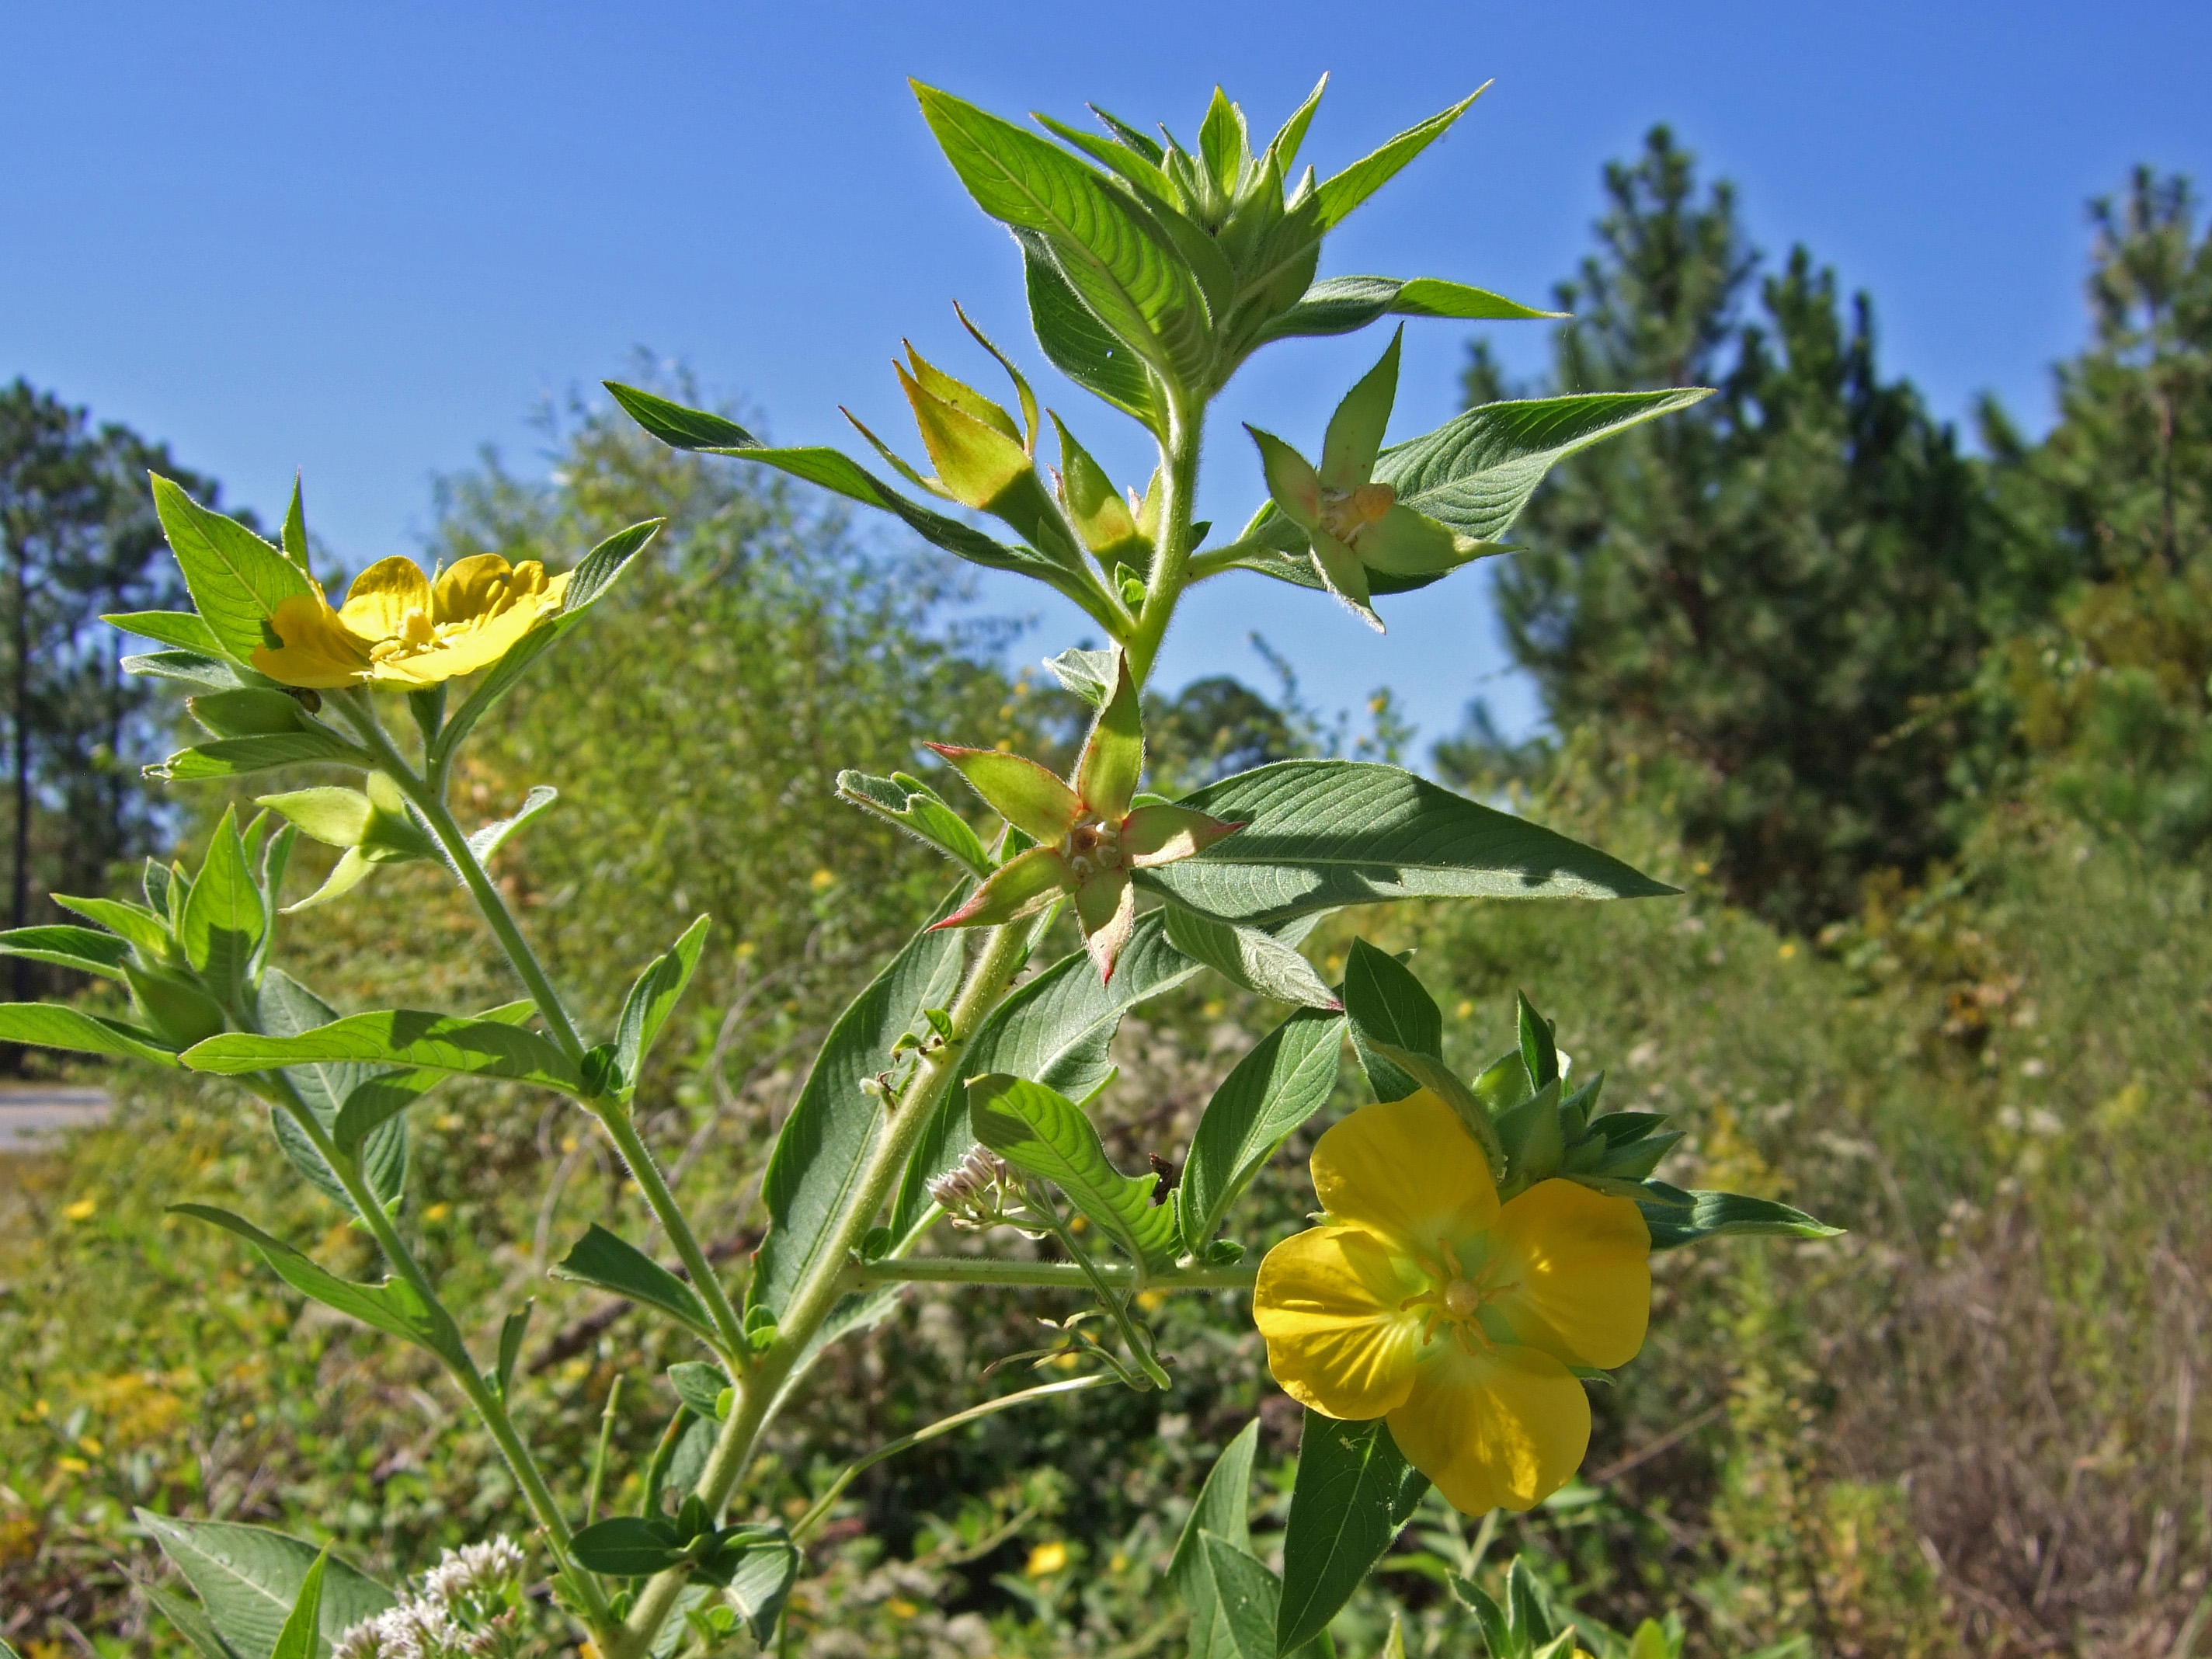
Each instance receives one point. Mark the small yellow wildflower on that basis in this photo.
(1047, 1560)
(83, 1210)
(899, 1607)
(396, 628)
(1456, 1319)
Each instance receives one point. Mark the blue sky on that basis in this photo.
(364, 240)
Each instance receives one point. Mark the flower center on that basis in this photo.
(1345, 513)
(1455, 1299)
(1462, 1298)
(1093, 845)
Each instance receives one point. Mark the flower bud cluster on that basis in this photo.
(981, 1192)
(466, 1610)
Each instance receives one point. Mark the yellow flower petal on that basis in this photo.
(1408, 1169)
(472, 588)
(319, 650)
(378, 604)
(1504, 1428)
(1328, 1304)
(1581, 1264)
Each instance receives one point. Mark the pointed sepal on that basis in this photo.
(1018, 789)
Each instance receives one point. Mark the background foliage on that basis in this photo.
(1923, 735)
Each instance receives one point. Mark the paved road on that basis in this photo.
(31, 1113)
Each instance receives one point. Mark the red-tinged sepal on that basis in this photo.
(1106, 904)
(1018, 790)
(1114, 755)
(1021, 887)
(1162, 834)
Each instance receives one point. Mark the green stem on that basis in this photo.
(1049, 1275)
(450, 1347)
(760, 1390)
(613, 1115)
(599, 1456)
(1179, 493)
(1138, 1341)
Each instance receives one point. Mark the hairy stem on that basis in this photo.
(1054, 1275)
(760, 1391)
(1179, 493)
(482, 1396)
(613, 1116)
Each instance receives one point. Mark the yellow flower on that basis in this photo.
(1426, 1303)
(1047, 1560)
(83, 1210)
(396, 628)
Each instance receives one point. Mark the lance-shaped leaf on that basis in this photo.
(186, 630)
(1389, 1007)
(1339, 304)
(651, 1000)
(302, 1636)
(1055, 1031)
(182, 1612)
(249, 1579)
(1102, 243)
(1223, 1507)
(188, 668)
(678, 427)
(1234, 1611)
(1321, 834)
(1247, 957)
(492, 837)
(1097, 510)
(224, 918)
(629, 1546)
(83, 949)
(405, 1036)
(1091, 675)
(1354, 1491)
(1080, 346)
(234, 757)
(1018, 790)
(1044, 1133)
(284, 1008)
(984, 464)
(1346, 191)
(1286, 1077)
(916, 808)
(147, 930)
(825, 1140)
(756, 1566)
(331, 815)
(393, 1306)
(294, 541)
(237, 579)
(601, 1258)
(42, 1025)
(1678, 1218)
(248, 713)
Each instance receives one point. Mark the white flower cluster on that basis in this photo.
(465, 1610)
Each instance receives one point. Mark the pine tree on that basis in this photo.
(1781, 590)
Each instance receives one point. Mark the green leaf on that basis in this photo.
(187, 668)
(287, 1008)
(1339, 304)
(147, 930)
(1726, 1215)
(182, 629)
(1054, 1031)
(84, 949)
(248, 713)
(1322, 834)
(232, 757)
(410, 1037)
(1091, 675)
(1222, 1509)
(1346, 191)
(602, 1259)
(1387, 1006)
(1538, 1052)
(174, 1006)
(598, 571)
(224, 917)
(294, 542)
(393, 1306)
(1241, 1599)
(700, 1386)
(1285, 1079)
(1475, 472)
(761, 1578)
(826, 1139)
(1427, 1071)
(1247, 957)
(302, 1636)
(237, 579)
(1044, 1133)
(628, 1547)
(1080, 346)
(250, 1579)
(489, 839)
(1105, 245)
(917, 809)
(333, 816)
(678, 427)
(1354, 1491)
(191, 1623)
(651, 1000)
(43, 1025)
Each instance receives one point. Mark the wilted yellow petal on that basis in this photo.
(1327, 1302)
(1579, 1264)
(1500, 1429)
(1407, 1168)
